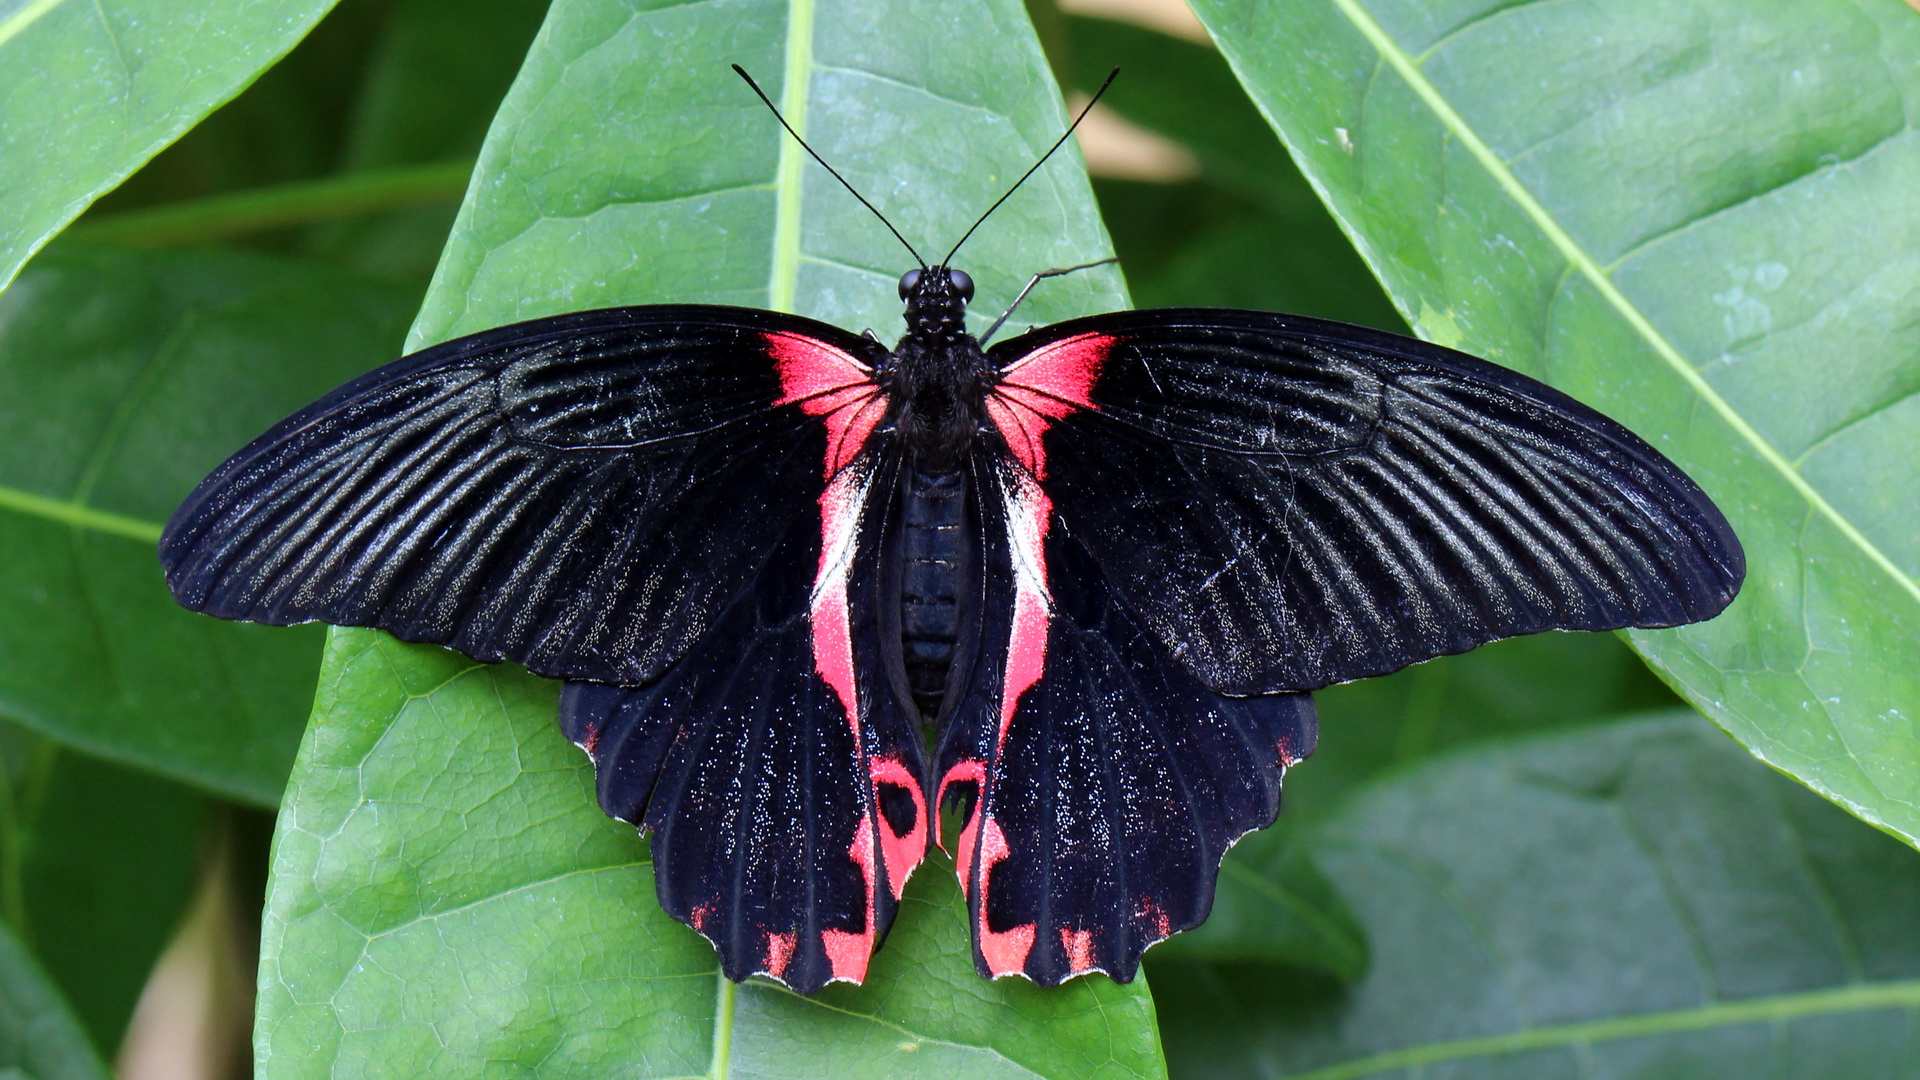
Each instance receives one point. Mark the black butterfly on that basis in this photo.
(1102, 563)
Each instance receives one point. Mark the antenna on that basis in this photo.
(742, 72)
(1111, 75)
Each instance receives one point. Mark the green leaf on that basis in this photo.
(1637, 899)
(1250, 232)
(125, 378)
(1699, 218)
(1274, 905)
(89, 91)
(38, 1037)
(436, 77)
(445, 890)
(73, 858)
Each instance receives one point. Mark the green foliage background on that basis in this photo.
(1532, 860)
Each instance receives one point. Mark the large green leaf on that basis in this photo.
(1274, 904)
(125, 378)
(1634, 900)
(445, 891)
(1699, 217)
(38, 1037)
(89, 91)
(71, 857)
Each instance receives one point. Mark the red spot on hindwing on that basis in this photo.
(848, 951)
(831, 383)
(780, 953)
(1004, 950)
(899, 853)
(1045, 385)
(1078, 945)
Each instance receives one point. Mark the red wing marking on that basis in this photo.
(1162, 925)
(898, 853)
(974, 772)
(832, 383)
(779, 953)
(1005, 950)
(1078, 945)
(848, 952)
(1029, 512)
(840, 506)
(1045, 385)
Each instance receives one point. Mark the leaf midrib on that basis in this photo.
(79, 515)
(1589, 268)
(783, 280)
(1858, 998)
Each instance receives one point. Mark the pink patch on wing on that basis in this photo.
(840, 506)
(1155, 914)
(1045, 385)
(848, 952)
(779, 953)
(1005, 951)
(831, 383)
(1029, 513)
(963, 772)
(899, 854)
(1078, 945)
(832, 633)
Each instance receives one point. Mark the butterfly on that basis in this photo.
(1077, 586)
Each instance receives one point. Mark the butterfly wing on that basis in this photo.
(1099, 782)
(1286, 503)
(584, 494)
(777, 774)
(670, 498)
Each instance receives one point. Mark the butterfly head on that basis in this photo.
(936, 299)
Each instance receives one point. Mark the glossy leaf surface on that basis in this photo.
(123, 379)
(90, 91)
(1699, 219)
(445, 890)
(1639, 899)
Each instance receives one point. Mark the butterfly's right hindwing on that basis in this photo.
(773, 766)
(584, 494)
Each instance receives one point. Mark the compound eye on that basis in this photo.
(909, 281)
(962, 284)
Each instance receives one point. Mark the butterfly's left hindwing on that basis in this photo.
(1099, 783)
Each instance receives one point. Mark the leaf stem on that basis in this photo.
(279, 205)
(723, 1029)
